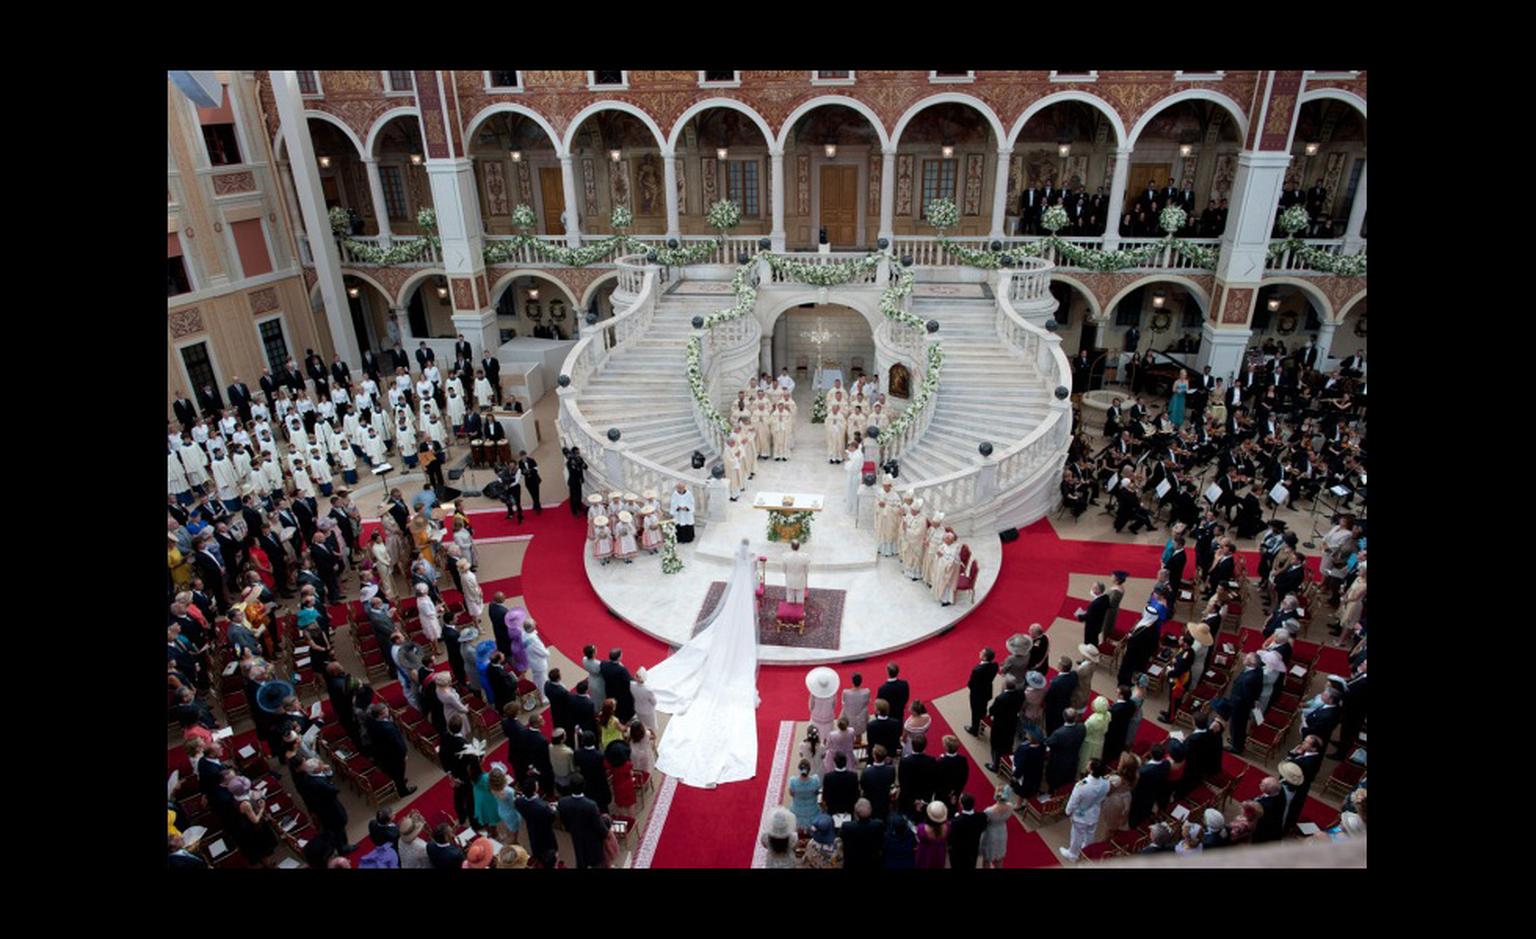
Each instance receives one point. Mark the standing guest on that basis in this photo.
(1083, 807)
(856, 706)
(1093, 617)
(883, 729)
(388, 747)
(953, 770)
(575, 474)
(616, 682)
(1151, 791)
(444, 853)
(323, 799)
(933, 835)
(1094, 729)
(1235, 707)
(1271, 824)
(994, 841)
(1005, 710)
(582, 818)
(877, 779)
(863, 838)
(918, 773)
(463, 767)
(1058, 695)
(965, 834)
(779, 837)
(895, 692)
(839, 740)
(979, 687)
(681, 509)
(595, 683)
(645, 701)
(915, 725)
(538, 818)
(804, 792)
(1062, 748)
(840, 786)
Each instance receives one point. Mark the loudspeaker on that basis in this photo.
(1008, 534)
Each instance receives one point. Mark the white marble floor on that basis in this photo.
(883, 610)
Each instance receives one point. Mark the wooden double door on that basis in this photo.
(840, 205)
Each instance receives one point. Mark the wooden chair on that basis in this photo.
(967, 582)
(1344, 778)
(802, 364)
(1047, 808)
(790, 616)
(1264, 739)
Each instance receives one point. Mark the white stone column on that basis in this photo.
(999, 194)
(1222, 349)
(301, 158)
(380, 207)
(765, 357)
(777, 174)
(1255, 196)
(1325, 342)
(456, 199)
(669, 185)
(888, 196)
(1117, 184)
(572, 212)
(1353, 243)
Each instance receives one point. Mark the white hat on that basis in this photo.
(1214, 820)
(626, 518)
(1291, 773)
(1090, 652)
(822, 682)
(640, 674)
(594, 499)
(649, 493)
(781, 824)
(600, 521)
(631, 497)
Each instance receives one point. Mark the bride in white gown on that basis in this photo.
(709, 686)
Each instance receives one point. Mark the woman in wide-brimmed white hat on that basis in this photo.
(822, 682)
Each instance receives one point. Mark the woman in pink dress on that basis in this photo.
(839, 741)
(933, 836)
(602, 539)
(918, 723)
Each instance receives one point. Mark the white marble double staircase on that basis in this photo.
(642, 389)
(987, 392)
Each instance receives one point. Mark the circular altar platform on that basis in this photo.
(877, 608)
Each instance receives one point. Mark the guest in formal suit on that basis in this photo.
(1093, 616)
(895, 692)
(1062, 751)
(840, 787)
(918, 773)
(583, 709)
(1354, 714)
(1321, 720)
(863, 837)
(616, 680)
(979, 688)
(1120, 719)
(1298, 771)
(883, 729)
(463, 768)
(559, 703)
(877, 779)
(1152, 786)
(1271, 825)
(953, 770)
(591, 767)
(323, 799)
(387, 746)
(1245, 693)
(1005, 711)
(538, 821)
(1058, 696)
(1203, 753)
(443, 852)
(965, 830)
(582, 818)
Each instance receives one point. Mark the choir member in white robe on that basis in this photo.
(242, 461)
(259, 411)
(785, 382)
(935, 541)
(435, 430)
(681, 508)
(284, 405)
(747, 437)
(347, 460)
(853, 472)
(887, 519)
(838, 395)
(483, 394)
(402, 410)
(761, 414)
(363, 400)
(625, 547)
(319, 471)
(779, 432)
(946, 569)
(455, 406)
(327, 408)
(912, 529)
(381, 427)
(296, 434)
(225, 478)
(837, 427)
(373, 446)
(325, 435)
(797, 564)
(433, 375)
(272, 474)
(228, 424)
(352, 430)
(733, 468)
(405, 439)
(424, 389)
(300, 473)
(175, 475)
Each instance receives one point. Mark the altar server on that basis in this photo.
(681, 509)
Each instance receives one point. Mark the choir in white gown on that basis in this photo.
(709, 686)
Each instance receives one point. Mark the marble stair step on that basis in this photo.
(644, 423)
(971, 435)
(938, 460)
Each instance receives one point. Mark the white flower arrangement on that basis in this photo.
(403, 251)
(943, 213)
(1172, 218)
(680, 256)
(523, 216)
(670, 562)
(621, 218)
(1294, 219)
(745, 288)
(893, 298)
(723, 215)
(696, 386)
(1053, 219)
(341, 222)
(824, 275)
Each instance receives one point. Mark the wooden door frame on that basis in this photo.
(538, 169)
(1135, 191)
(846, 156)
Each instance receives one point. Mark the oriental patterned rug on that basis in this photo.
(823, 617)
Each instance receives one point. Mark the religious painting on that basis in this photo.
(1109, 172)
(1075, 171)
(648, 178)
(1221, 180)
(875, 166)
(1040, 167)
(1187, 172)
(525, 182)
(803, 184)
(974, 165)
(1015, 176)
(495, 188)
(1331, 178)
(904, 184)
(682, 186)
(899, 382)
(618, 182)
(710, 181)
(589, 185)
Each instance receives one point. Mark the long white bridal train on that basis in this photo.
(709, 686)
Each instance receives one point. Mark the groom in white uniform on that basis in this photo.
(796, 565)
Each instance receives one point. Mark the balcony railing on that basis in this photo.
(1293, 260)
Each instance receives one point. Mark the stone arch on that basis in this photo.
(845, 101)
(1195, 290)
(610, 105)
(1093, 101)
(384, 119)
(867, 307)
(1338, 94)
(702, 106)
(1318, 298)
(1348, 306)
(1233, 109)
(1094, 310)
(349, 133)
(505, 281)
(504, 107)
(404, 296)
(370, 281)
(955, 97)
(593, 287)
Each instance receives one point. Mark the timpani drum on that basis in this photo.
(502, 454)
(477, 452)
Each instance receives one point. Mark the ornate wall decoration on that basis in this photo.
(359, 180)
(1109, 173)
(392, 279)
(1131, 98)
(1331, 179)
(495, 188)
(310, 277)
(577, 278)
(1238, 301)
(708, 175)
(1276, 133)
(482, 293)
(618, 183)
(682, 185)
(589, 185)
(1015, 178)
(1221, 180)
(421, 189)
(228, 184)
(903, 184)
(1041, 167)
(650, 197)
(186, 322)
(351, 82)
(1074, 170)
(357, 113)
(876, 164)
(973, 172)
(803, 183)
(1187, 172)
(434, 127)
(525, 182)
(263, 300)
(463, 293)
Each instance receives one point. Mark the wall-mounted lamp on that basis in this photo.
(325, 162)
(1157, 300)
(415, 159)
(533, 293)
(1312, 149)
(1064, 150)
(614, 155)
(830, 150)
(353, 292)
(1185, 149)
(517, 156)
(1274, 304)
(946, 151)
(721, 153)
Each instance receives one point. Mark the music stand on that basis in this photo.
(1337, 494)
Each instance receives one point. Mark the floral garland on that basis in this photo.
(824, 275)
(926, 390)
(777, 518)
(500, 252)
(401, 252)
(745, 290)
(893, 298)
(1293, 220)
(696, 385)
(1090, 258)
(680, 256)
(819, 408)
(670, 562)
